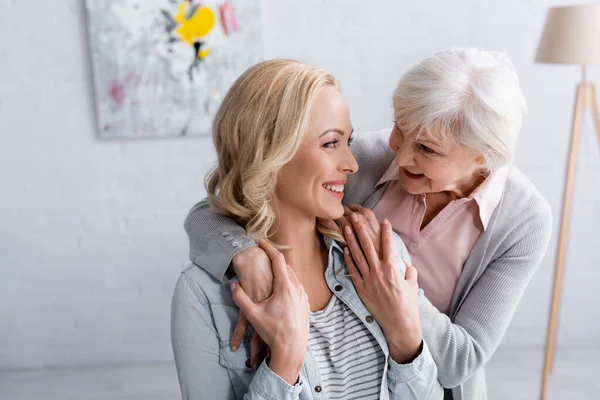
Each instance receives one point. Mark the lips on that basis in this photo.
(335, 188)
(411, 175)
(334, 183)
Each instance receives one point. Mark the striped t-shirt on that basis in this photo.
(349, 358)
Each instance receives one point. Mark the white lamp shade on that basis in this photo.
(571, 36)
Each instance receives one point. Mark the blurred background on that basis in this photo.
(91, 231)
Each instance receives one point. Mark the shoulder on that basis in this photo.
(524, 217)
(206, 289)
(521, 195)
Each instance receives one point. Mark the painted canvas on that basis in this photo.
(162, 67)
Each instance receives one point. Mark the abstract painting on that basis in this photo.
(162, 67)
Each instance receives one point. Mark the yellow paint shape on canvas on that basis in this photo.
(204, 53)
(198, 26)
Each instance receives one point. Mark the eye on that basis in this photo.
(426, 149)
(331, 145)
(350, 140)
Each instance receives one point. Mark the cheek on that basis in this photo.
(284, 190)
(299, 181)
(437, 170)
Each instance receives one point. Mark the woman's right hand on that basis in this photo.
(282, 320)
(391, 298)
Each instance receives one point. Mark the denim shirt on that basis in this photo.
(203, 317)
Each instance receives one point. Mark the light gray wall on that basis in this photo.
(91, 236)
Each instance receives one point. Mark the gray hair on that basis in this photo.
(470, 97)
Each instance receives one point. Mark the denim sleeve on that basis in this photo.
(196, 349)
(416, 380)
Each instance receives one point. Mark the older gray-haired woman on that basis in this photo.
(476, 228)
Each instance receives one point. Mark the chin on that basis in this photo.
(409, 187)
(332, 212)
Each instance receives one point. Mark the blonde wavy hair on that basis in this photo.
(258, 128)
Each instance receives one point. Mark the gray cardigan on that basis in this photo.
(490, 287)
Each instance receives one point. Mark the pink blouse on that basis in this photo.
(440, 250)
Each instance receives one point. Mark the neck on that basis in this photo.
(467, 186)
(299, 232)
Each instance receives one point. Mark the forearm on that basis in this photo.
(456, 351)
(214, 239)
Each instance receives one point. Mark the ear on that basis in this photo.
(480, 159)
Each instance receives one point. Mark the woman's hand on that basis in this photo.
(355, 213)
(282, 320)
(352, 213)
(392, 299)
(253, 268)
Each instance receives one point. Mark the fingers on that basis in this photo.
(365, 212)
(387, 238)
(238, 332)
(352, 270)
(411, 274)
(354, 207)
(356, 252)
(241, 299)
(368, 215)
(256, 350)
(365, 241)
(280, 270)
(343, 221)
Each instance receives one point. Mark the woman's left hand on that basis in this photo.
(351, 214)
(392, 299)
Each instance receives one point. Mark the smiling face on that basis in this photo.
(427, 166)
(312, 183)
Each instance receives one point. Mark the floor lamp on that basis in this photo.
(571, 36)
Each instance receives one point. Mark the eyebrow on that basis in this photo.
(430, 141)
(338, 131)
(422, 139)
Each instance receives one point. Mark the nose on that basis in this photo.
(404, 152)
(349, 165)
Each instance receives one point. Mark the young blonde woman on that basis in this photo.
(282, 136)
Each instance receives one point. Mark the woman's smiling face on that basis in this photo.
(312, 183)
(428, 166)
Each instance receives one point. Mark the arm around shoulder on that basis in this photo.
(214, 239)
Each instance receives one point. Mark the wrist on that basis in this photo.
(243, 258)
(405, 351)
(285, 367)
(404, 344)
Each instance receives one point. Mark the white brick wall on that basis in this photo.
(91, 236)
